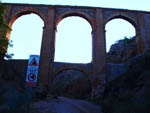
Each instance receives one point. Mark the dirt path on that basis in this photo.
(64, 105)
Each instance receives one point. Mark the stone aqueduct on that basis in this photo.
(97, 17)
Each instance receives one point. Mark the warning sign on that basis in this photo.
(32, 72)
(33, 62)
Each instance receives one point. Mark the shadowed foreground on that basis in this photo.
(64, 105)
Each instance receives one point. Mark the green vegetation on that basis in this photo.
(4, 29)
(126, 40)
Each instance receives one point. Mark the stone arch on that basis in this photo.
(124, 17)
(89, 22)
(14, 19)
(72, 81)
(132, 21)
(75, 13)
(70, 68)
(26, 11)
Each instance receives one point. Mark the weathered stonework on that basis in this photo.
(97, 17)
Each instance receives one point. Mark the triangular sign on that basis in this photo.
(33, 62)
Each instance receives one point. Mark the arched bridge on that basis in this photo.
(97, 17)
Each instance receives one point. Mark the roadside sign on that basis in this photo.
(32, 71)
(32, 77)
(33, 60)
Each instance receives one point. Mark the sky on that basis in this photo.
(65, 34)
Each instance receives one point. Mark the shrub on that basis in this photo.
(4, 29)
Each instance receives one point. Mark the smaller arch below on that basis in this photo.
(25, 11)
(59, 67)
(73, 83)
(75, 13)
(70, 68)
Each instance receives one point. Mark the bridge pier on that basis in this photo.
(99, 53)
(47, 49)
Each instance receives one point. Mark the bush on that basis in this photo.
(4, 29)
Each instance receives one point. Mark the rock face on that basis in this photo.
(115, 70)
(12, 97)
(13, 92)
(122, 51)
(72, 83)
(12, 87)
(131, 91)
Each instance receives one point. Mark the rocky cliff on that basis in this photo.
(122, 51)
(129, 92)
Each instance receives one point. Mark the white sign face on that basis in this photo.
(32, 72)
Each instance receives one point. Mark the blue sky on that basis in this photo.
(112, 31)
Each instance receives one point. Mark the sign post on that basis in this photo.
(32, 71)
(31, 77)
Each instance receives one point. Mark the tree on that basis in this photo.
(4, 29)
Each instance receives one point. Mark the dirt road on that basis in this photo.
(64, 105)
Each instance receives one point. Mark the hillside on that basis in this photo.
(129, 92)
